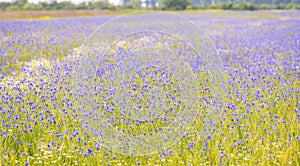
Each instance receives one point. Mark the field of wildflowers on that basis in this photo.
(258, 123)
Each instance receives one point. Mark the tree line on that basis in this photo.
(154, 4)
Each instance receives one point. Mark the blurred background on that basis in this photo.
(43, 9)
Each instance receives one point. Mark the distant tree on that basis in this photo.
(4, 5)
(224, 5)
(13, 8)
(90, 5)
(44, 6)
(81, 5)
(101, 4)
(29, 6)
(246, 6)
(53, 5)
(65, 5)
(291, 6)
(21, 3)
(280, 6)
(175, 4)
(135, 4)
(265, 6)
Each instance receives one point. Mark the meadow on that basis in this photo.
(258, 122)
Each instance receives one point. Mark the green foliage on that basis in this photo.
(280, 6)
(246, 6)
(12, 8)
(66, 5)
(175, 4)
(4, 5)
(101, 5)
(135, 4)
(224, 5)
(265, 7)
(81, 6)
(291, 6)
(21, 3)
(231, 6)
(29, 6)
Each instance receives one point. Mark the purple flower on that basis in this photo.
(89, 151)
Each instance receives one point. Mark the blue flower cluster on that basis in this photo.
(44, 121)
